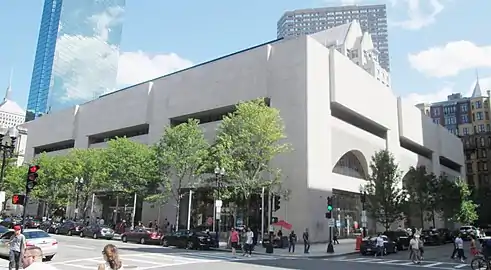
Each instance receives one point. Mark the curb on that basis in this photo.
(294, 256)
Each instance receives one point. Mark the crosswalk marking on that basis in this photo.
(425, 264)
(433, 264)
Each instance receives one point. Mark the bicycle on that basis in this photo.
(479, 262)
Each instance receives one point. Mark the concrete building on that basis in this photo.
(468, 118)
(336, 115)
(373, 19)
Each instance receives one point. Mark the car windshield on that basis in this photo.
(36, 234)
(465, 228)
(3, 229)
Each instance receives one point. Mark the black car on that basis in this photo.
(433, 237)
(447, 234)
(189, 239)
(369, 246)
(49, 226)
(69, 228)
(97, 231)
(401, 238)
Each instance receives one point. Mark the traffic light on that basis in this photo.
(274, 220)
(277, 202)
(32, 176)
(18, 199)
(329, 208)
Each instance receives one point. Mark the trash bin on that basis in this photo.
(269, 248)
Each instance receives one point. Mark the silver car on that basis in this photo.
(34, 237)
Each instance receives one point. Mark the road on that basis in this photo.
(77, 253)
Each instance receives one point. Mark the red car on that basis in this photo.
(142, 235)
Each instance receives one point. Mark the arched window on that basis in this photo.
(350, 165)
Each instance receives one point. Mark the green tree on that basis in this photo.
(247, 141)
(385, 198)
(467, 212)
(54, 181)
(89, 165)
(448, 198)
(181, 154)
(417, 184)
(132, 168)
(15, 179)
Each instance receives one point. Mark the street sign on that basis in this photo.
(217, 214)
(338, 223)
(218, 203)
(330, 222)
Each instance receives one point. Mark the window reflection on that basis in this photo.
(350, 165)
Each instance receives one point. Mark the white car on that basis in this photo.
(34, 237)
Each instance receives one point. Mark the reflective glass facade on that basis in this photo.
(77, 53)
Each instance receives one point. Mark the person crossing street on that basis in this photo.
(17, 245)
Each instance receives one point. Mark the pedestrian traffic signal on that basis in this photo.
(274, 220)
(277, 203)
(328, 215)
(329, 204)
(32, 176)
(18, 199)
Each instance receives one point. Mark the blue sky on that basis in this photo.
(436, 46)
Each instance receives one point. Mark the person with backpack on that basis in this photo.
(292, 240)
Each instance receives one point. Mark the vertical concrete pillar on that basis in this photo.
(435, 160)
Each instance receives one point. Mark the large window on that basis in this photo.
(350, 165)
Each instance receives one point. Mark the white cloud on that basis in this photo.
(419, 15)
(451, 59)
(136, 67)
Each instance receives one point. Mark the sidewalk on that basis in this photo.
(318, 250)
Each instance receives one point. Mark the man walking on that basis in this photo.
(234, 241)
(292, 240)
(33, 260)
(306, 242)
(249, 242)
(17, 246)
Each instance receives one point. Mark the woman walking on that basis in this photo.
(111, 258)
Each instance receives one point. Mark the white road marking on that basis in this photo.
(79, 247)
(79, 266)
(75, 261)
(391, 261)
(406, 263)
(460, 266)
(433, 264)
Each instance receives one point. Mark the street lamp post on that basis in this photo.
(219, 174)
(363, 197)
(8, 139)
(79, 183)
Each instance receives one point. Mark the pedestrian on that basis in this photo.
(17, 246)
(335, 238)
(421, 248)
(379, 245)
(459, 243)
(414, 248)
(473, 248)
(32, 259)
(110, 255)
(455, 250)
(249, 242)
(292, 240)
(306, 242)
(234, 240)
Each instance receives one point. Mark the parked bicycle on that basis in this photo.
(480, 262)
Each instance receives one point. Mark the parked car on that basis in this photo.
(3, 230)
(468, 231)
(97, 231)
(369, 246)
(433, 237)
(401, 238)
(49, 226)
(34, 237)
(448, 235)
(32, 223)
(142, 235)
(69, 228)
(189, 239)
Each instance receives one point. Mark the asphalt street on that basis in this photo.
(77, 253)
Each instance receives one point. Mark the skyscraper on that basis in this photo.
(372, 18)
(77, 53)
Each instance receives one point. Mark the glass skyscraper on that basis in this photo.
(77, 53)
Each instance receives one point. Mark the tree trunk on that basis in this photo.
(178, 210)
(85, 198)
(422, 216)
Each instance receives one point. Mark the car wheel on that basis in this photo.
(395, 249)
(57, 231)
(82, 235)
(69, 233)
(385, 251)
(124, 239)
(94, 236)
(165, 243)
(142, 241)
(363, 253)
(49, 258)
(190, 245)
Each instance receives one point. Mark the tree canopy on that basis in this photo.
(247, 142)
